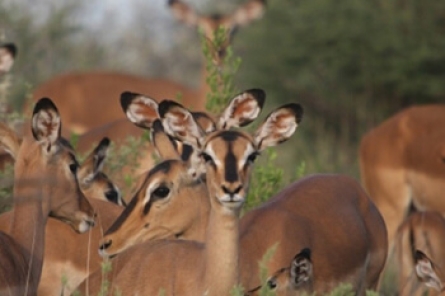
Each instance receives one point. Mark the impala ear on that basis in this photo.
(426, 272)
(139, 109)
(46, 123)
(9, 140)
(242, 109)
(8, 52)
(166, 147)
(184, 13)
(205, 122)
(279, 126)
(93, 164)
(301, 268)
(180, 124)
(252, 10)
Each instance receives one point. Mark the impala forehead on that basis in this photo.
(229, 147)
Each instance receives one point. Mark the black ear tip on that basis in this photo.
(44, 103)
(166, 105)
(11, 48)
(104, 142)
(296, 109)
(171, 2)
(157, 126)
(306, 253)
(419, 255)
(126, 99)
(259, 95)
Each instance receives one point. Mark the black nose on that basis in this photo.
(231, 192)
(90, 223)
(105, 245)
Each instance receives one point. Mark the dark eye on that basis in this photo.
(272, 284)
(251, 158)
(161, 192)
(206, 157)
(73, 168)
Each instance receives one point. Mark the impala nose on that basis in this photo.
(105, 245)
(231, 191)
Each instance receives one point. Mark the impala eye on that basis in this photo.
(73, 168)
(272, 284)
(206, 157)
(161, 192)
(251, 158)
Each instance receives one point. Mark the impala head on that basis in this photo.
(243, 15)
(428, 272)
(228, 154)
(288, 280)
(157, 209)
(47, 161)
(93, 182)
(8, 52)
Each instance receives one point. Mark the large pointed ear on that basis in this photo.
(205, 122)
(46, 123)
(426, 272)
(245, 14)
(9, 140)
(301, 268)
(179, 123)
(139, 109)
(8, 52)
(242, 109)
(184, 13)
(165, 146)
(94, 162)
(279, 126)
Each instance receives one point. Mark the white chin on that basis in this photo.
(84, 227)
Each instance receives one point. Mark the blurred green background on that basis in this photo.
(350, 63)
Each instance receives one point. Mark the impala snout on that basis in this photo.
(86, 222)
(104, 245)
(232, 193)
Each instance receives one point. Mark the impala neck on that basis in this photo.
(28, 229)
(222, 240)
(198, 228)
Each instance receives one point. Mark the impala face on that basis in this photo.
(229, 156)
(49, 160)
(155, 212)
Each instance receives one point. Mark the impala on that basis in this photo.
(402, 164)
(423, 231)
(187, 267)
(82, 95)
(44, 184)
(429, 273)
(293, 205)
(70, 257)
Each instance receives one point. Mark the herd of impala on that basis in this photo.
(181, 232)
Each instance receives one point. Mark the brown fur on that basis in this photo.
(402, 163)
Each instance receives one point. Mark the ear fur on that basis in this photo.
(179, 123)
(93, 164)
(184, 13)
(46, 123)
(139, 109)
(8, 52)
(426, 272)
(252, 10)
(279, 126)
(242, 109)
(301, 268)
(165, 146)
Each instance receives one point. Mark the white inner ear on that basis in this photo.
(425, 270)
(250, 111)
(183, 127)
(135, 112)
(6, 61)
(281, 130)
(47, 123)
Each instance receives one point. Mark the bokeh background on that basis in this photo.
(350, 63)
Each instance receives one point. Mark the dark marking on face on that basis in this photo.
(120, 220)
(231, 168)
(147, 206)
(187, 151)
